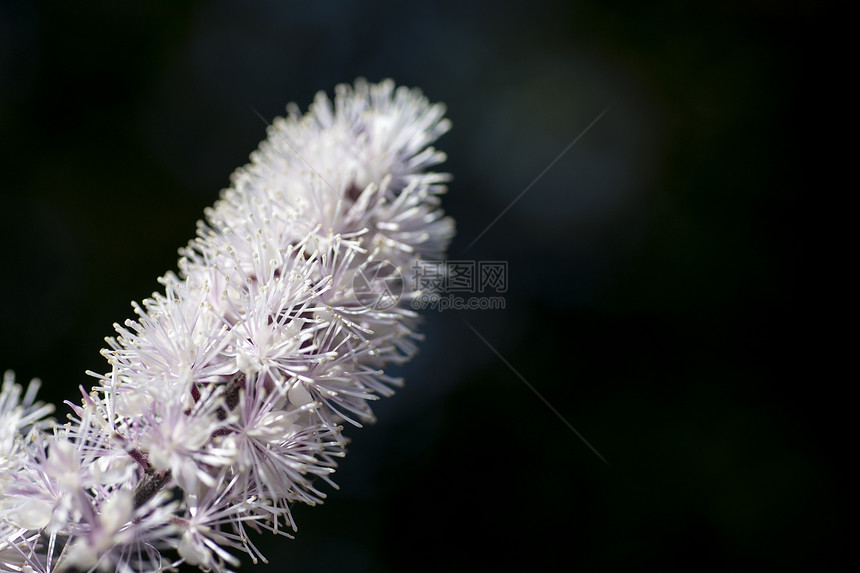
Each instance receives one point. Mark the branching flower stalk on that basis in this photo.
(225, 398)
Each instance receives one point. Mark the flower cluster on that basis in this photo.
(226, 395)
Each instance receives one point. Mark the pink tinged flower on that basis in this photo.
(226, 394)
(274, 340)
(123, 536)
(64, 465)
(214, 523)
(21, 420)
(183, 444)
(107, 532)
(53, 492)
(20, 414)
(280, 448)
(176, 343)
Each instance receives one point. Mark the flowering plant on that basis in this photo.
(225, 397)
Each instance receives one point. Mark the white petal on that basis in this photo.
(299, 395)
(193, 553)
(32, 514)
(117, 511)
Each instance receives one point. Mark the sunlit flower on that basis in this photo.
(226, 394)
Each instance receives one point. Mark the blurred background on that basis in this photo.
(657, 296)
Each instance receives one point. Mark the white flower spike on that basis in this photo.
(227, 394)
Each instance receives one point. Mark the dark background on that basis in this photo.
(659, 291)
